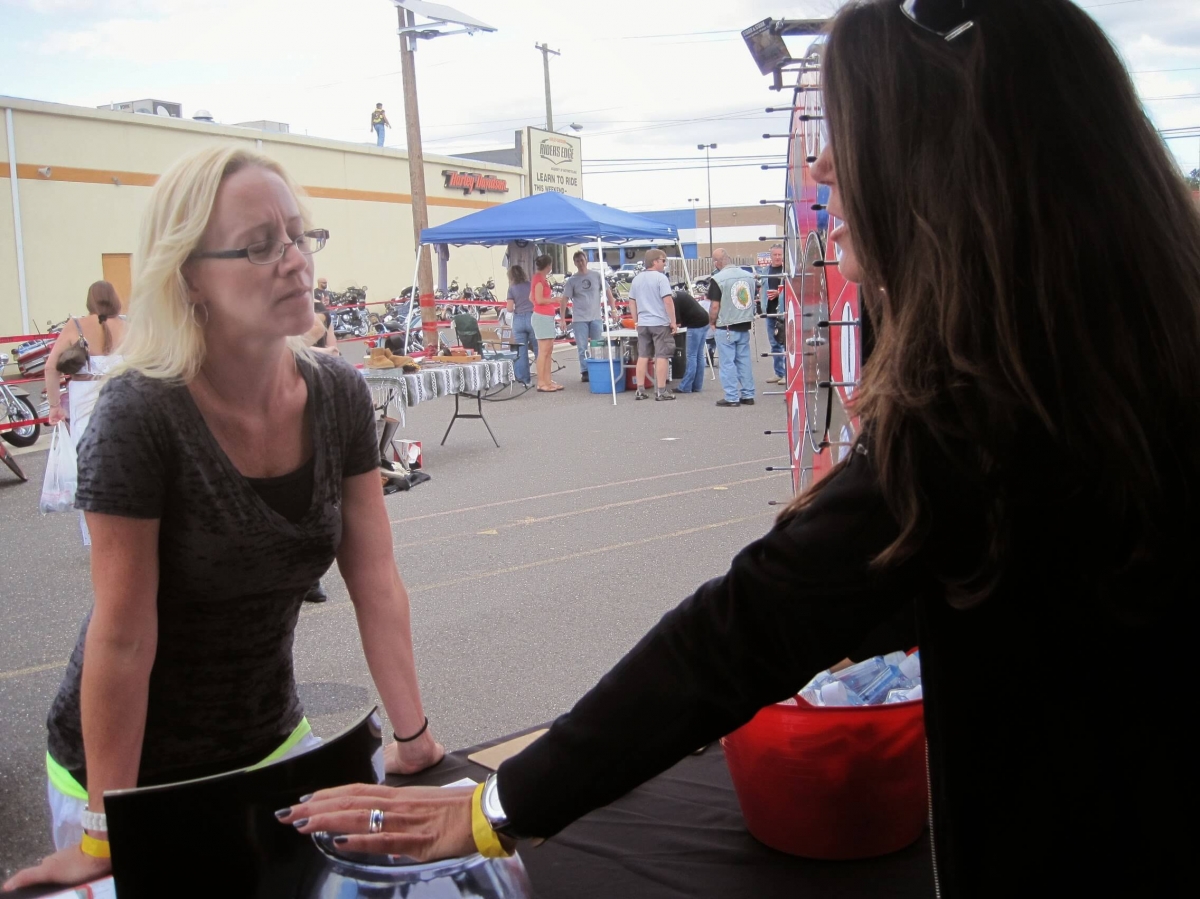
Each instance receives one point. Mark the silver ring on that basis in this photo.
(376, 822)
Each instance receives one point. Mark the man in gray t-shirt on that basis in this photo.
(652, 303)
(587, 316)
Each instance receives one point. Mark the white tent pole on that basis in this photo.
(612, 377)
(687, 275)
(412, 298)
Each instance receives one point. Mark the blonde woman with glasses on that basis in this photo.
(224, 470)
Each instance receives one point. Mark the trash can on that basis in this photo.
(601, 376)
(679, 357)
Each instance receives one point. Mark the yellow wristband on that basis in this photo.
(95, 848)
(486, 841)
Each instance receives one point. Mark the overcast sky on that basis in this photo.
(644, 79)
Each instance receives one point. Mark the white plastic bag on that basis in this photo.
(58, 489)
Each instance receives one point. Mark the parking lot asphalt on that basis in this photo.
(532, 568)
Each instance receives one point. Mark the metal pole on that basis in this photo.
(546, 51)
(612, 375)
(22, 286)
(416, 180)
(708, 175)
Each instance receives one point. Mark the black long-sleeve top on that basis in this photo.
(1056, 711)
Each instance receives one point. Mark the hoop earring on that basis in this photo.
(196, 306)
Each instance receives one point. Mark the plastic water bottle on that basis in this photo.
(861, 675)
(895, 658)
(887, 680)
(906, 695)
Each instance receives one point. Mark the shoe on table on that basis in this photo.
(727, 403)
(316, 593)
(749, 402)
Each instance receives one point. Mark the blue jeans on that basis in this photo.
(693, 376)
(733, 349)
(523, 340)
(379, 134)
(585, 331)
(778, 360)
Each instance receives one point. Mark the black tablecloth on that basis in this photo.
(682, 835)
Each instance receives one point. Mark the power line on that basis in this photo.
(677, 168)
(680, 158)
(1182, 69)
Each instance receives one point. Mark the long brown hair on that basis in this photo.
(1031, 261)
(103, 302)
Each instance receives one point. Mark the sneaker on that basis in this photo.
(316, 594)
(747, 402)
(583, 376)
(665, 395)
(726, 403)
(641, 396)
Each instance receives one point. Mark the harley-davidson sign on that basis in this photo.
(469, 181)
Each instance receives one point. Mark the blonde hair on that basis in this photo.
(164, 339)
(652, 256)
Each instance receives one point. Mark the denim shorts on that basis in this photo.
(655, 342)
(543, 326)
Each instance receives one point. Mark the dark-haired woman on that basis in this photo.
(101, 332)
(1027, 482)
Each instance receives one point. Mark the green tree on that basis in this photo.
(1193, 179)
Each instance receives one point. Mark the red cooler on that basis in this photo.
(832, 783)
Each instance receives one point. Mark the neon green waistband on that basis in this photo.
(65, 782)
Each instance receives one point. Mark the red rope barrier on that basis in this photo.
(24, 424)
(25, 338)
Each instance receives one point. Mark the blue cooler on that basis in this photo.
(600, 376)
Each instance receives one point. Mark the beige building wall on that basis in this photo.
(84, 179)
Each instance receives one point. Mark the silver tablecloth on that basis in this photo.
(391, 385)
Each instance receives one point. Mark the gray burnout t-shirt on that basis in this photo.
(232, 571)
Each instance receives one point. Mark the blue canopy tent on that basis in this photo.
(553, 218)
(550, 218)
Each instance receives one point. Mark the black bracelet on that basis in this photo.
(400, 739)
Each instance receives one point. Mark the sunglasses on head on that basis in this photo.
(946, 18)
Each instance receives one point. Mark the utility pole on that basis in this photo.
(546, 51)
(416, 181)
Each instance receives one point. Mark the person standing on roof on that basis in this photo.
(379, 120)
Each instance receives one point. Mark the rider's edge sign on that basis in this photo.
(469, 181)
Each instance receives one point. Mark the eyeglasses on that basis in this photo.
(268, 252)
(946, 18)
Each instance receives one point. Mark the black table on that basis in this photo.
(682, 835)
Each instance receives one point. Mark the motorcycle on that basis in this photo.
(354, 321)
(16, 406)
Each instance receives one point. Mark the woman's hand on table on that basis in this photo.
(410, 758)
(424, 823)
(70, 867)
